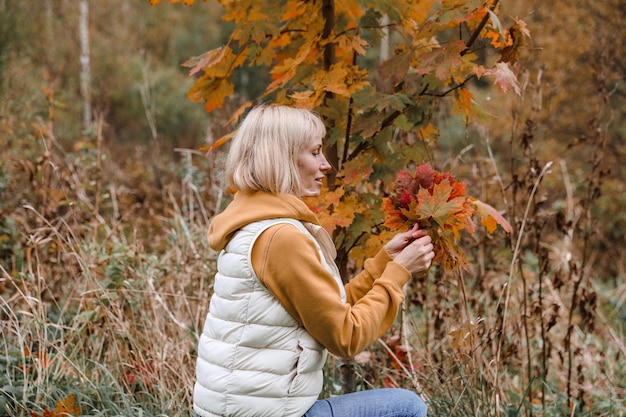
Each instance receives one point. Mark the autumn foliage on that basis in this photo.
(105, 273)
(374, 71)
(438, 203)
(65, 407)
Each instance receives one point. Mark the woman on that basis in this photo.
(279, 303)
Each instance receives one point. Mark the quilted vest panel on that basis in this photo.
(254, 358)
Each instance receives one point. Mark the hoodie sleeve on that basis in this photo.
(373, 268)
(288, 263)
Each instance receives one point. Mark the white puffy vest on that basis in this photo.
(254, 358)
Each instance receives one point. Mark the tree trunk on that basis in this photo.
(385, 41)
(346, 369)
(85, 70)
(328, 13)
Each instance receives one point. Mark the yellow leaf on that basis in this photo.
(340, 79)
(333, 81)
(285, 71)
(350, 7)
(294, 8)
(465, 104)
(255, 15)
(428, 132)
(212, 90)
(67, 405)
(348, 43)
(420, 11)
(307, 99)
(283, 40)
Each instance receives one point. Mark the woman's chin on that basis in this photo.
(311, 193)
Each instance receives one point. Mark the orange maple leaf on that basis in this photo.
(213, 90)
(341, 215)
(490, 217)
(466, 104)
(307, 99)
(279, 41)
(64, 407)
(394, 219)
(286, 70)
(294, 8)
(447, 212)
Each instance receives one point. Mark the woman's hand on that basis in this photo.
(401, 240)
(412, 249)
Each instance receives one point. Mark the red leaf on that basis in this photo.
(425, 176)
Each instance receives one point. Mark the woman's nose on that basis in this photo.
(325, 165)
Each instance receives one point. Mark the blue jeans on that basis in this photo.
(383, 402)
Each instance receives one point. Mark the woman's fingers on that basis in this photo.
(418, 256)
(401, 240)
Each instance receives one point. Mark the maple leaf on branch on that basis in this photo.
(503, 76)
(321, 58)
(208, 59)
(439, 204)
(442, 61)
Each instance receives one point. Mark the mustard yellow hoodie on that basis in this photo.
(288, 263)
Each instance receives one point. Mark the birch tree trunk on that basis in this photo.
(384, 40)
(385, 51)
(85, 69)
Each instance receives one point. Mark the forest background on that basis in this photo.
(106, 191)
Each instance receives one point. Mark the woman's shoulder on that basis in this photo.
(284, 236)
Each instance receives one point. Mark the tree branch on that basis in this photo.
(480, 27)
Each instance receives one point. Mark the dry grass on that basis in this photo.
(103, 305)
(106, 276)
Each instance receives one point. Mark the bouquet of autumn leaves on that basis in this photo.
(439, 204)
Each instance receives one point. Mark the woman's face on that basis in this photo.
(313, 166)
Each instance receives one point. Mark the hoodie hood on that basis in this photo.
(253, 207)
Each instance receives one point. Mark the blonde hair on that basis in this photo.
(263, 155)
